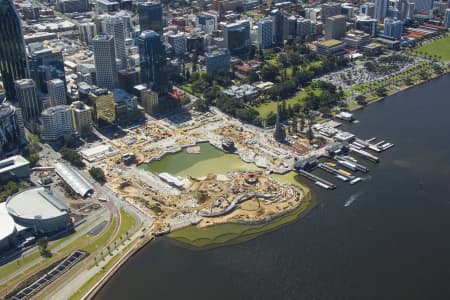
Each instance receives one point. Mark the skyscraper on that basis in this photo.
(447, 18)
(56, 122)
(153, 62)
(381, 8)
(88, 31)
(105, 61)
(236, 37)
(393, 28)
(28, 100)
(150, 16)
(424, 6)
(115, 26)
(45, 64)
(13, 58)
(265, 33)
(11, 127)
(56, 92)
(277, 27)
(81, 117)
(335, 27)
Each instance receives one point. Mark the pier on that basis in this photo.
(338, 173)
(364, 154)
(354, 162)
(317, 180)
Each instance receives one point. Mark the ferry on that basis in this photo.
(356, 180)
(348, 165)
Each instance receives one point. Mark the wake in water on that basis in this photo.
(352, 199)
(365, 178)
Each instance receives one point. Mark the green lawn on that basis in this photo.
(265, 108)
(101, 241)
(128, 221)
(440, 47)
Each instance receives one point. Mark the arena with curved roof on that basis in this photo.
(7, 228)
(38, 209)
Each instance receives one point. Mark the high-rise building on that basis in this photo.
(105, 61)
(277, 26)
(45, 64)
(236, 37)
(367, 9)
(424, 6)
(150, 101)
(304, 27)
(393, 28)
(104, 106)
(127, 79)
(152, 55)
(11, 127)
(411, 10)
(381, 8)
(265, 33)
(81, 118)
(88, 31)
(150, 16)
(402, 6)
(28, 100)
(13, 58)
(330, 9)
(217, 60)
(289, 27)
(70, 6)
(207, 22)
(335, 27)
(56, 122)
(447, 18)
(116, 26)
(56, 92)
(178, 43)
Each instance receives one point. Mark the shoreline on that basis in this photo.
(245, 235)
(225, 234)
(358, 107)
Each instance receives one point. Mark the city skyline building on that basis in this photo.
(116, 26)
(335, 27)
(12, 130)
(105, 61)
(381, 9)
(393, 28)
(265, 33)
(81, 118)
(152, 55)
(150, 16)
(56, 122)
(56, 92)
(28, 100)
(45, 64)
(13, 58)
(236, 37)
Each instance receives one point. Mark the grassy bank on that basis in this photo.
(227, 234)
(439, 48)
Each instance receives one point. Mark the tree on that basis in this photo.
(201, 105)
(269, 72)
(42, 243)
(97, 174)
(72, 156)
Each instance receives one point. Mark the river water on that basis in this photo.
(385, 238)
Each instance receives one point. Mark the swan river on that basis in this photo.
(387, 237)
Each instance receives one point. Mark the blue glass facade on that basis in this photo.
(13, 59)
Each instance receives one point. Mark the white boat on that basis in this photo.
(356, 180)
